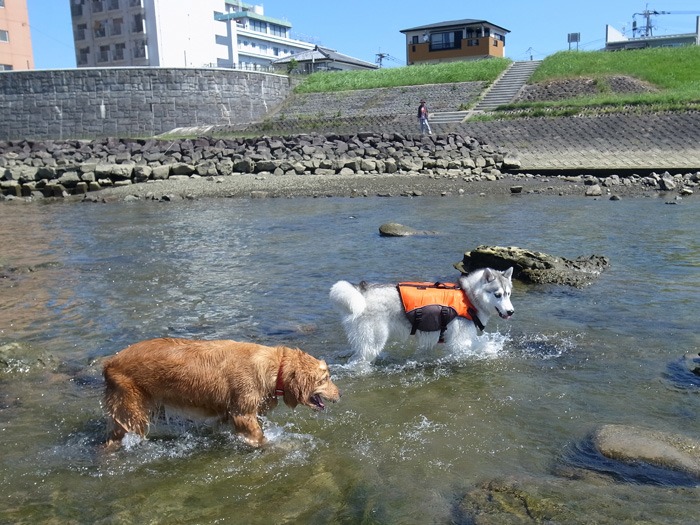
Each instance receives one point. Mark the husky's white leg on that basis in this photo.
(460, 336)
(427, 340)
(367, 339)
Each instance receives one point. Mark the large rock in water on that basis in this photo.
(394, 229)
(535, 267)
(661, 449)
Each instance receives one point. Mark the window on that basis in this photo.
(140, 49)
(119, 51)
(473, 42)
(414, 39)
(260, 27)
(103, 55)
(2, 3)
(449, 40)
(112, 5)
(117, 24)
(4, 36)
(278, 30)
(5, 67)
(99, 29)
(80, 31)
(137, 26)
(83, 55)
(97, 6)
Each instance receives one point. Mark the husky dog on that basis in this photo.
(374, 313)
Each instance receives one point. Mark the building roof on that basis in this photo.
(319, 53)
(246, 10)
(238, 15)
(452, 23)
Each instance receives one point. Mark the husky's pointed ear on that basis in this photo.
(488, 275)
(508, 274)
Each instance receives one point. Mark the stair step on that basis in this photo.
(507, 87)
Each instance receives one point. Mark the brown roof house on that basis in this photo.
(453, 41)
(322, 59)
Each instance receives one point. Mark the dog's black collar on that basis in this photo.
(475, 318)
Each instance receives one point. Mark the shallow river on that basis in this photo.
(419, 438)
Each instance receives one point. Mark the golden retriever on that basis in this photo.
(229, 380)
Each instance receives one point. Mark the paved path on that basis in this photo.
(608, 142)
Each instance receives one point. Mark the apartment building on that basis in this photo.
(251, 40)
(15, 36)
(178, 33)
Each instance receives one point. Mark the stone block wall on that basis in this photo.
(391, 102)
(388, 110)
(132, 102)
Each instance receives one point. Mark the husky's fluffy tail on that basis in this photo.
(347, 298)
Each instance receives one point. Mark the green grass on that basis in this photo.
(471, 71)
(675, 72)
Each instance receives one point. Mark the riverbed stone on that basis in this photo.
(394, 229)
(594, 190)
(535, 267)
(663, 449)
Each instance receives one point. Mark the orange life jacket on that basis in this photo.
(432, 306)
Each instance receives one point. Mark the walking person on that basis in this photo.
(423, 118)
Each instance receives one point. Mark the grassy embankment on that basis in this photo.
(674, 72)
(480, 71)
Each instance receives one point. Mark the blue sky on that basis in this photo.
(364, 28)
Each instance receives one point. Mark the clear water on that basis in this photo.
(411, 436)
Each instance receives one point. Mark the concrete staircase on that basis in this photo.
(502, 91)
(447, 117)
(507, 86)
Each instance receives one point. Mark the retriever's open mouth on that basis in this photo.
(316, 402)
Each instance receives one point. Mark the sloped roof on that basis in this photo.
(319, 53)
(452, 23)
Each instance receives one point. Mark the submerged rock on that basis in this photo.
(503, 502)
(661, 449)
(21, 357)
(535, 267)
(394, 229)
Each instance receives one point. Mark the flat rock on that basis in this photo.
(394, 229)
(661, 449)
(535, 267)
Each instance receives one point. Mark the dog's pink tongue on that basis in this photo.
(316, 400)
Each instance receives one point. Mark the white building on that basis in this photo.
(616, 41)
(178, 33)
(252, 40)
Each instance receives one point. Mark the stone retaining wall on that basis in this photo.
(88, 103)
(59, 168)
(391, 110)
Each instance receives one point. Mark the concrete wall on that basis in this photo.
(132, 102)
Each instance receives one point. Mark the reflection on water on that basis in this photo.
(414, 433)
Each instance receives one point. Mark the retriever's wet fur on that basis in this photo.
(232, 381)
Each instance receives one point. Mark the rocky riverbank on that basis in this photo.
(362, 164)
